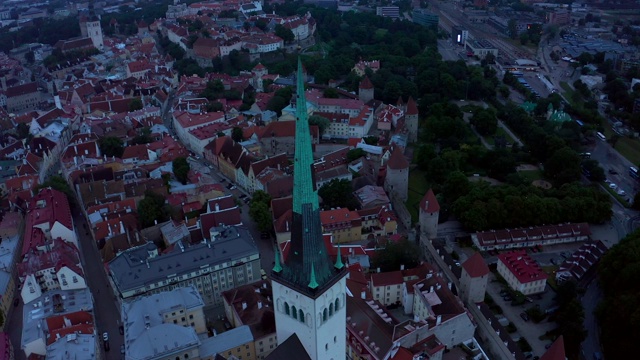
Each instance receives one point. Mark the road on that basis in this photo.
(106, 312)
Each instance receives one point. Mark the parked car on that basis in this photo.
(106, 346)
(122, 349)
(507, 298)
(553, 261)
(613, 172)
(242, 196)
(105, 336)
(525, 317)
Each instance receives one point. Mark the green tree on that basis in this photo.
(371, 140)
(355, 154)
(276, 104)
(563, 166)
(135, 104)
(59, 183)
(596, 172)
(619, 311)
(636, 201)
(338, 193)
(284, 33)
(330, 93)
(22, 130)
(152, 208)
(396, 254)
(181, 169)
(321, 121)
(143, 136)
(237, 134)
(259, 210)
(260, 213)
(485, 121)
(111, 146)
(455, 186)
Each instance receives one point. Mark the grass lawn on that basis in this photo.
(568, 91)
(551, 272)
(627, 147)
(499, 132)
(418, 186)
(531, 175)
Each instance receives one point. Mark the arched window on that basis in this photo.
(294, 312)
(324, 315)
(286, 308)
(337, 304)
(330, 309)
(301, 315)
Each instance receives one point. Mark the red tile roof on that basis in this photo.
(475, 266)
(556, 351)
(412, 108)
(387, 278)
(522, 266)
(366, 83)
(72, 323)
(429, 203)
(22, 90)
(397, 161)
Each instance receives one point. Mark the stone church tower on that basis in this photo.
(90, 27)
(309, 291)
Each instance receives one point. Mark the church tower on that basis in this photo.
(309, 291)
(411, 119)
(92, 28)
(365, 90)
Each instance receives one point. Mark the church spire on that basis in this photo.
(339, 265)
(303, 183)
(277, 267)
(308, 265)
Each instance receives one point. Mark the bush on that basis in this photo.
(524, 345)
(511, 328)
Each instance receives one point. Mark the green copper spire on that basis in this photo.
(339, 264)
(276, 266)
(313, 283)
(303, 183)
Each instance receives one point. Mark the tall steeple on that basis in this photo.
(308, 266)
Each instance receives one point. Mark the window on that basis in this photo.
(337, 304)
(286, 308)
(330, 309)
(335, 339)
(301, 315)
(183, 319)
(326, 346)
(324, 315)
(294, 313)
(191, 316)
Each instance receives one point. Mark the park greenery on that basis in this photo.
(619, 312)
(570, 318)
(181, 169)
(153, 209)
(111, 146)
(395, 255)
(338, 193)
(259, 210)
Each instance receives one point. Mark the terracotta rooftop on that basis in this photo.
(397, 161)
(475, 266)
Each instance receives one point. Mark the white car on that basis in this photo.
(105, 336)
(613, 186)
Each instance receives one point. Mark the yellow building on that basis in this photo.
(345, 225)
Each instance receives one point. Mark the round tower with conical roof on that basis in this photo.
(411, 119)
(397, 178)
(365, 90)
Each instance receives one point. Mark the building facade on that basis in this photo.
(521, 272)
(229, 259)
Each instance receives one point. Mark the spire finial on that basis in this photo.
(339, 264)
(312, 282)
(276, 266)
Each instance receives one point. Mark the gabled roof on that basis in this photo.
(429, 203)
(22, 90)
(475, 266)
(366, 83)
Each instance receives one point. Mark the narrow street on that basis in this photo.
(106, 312)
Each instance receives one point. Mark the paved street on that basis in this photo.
(106, 313)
